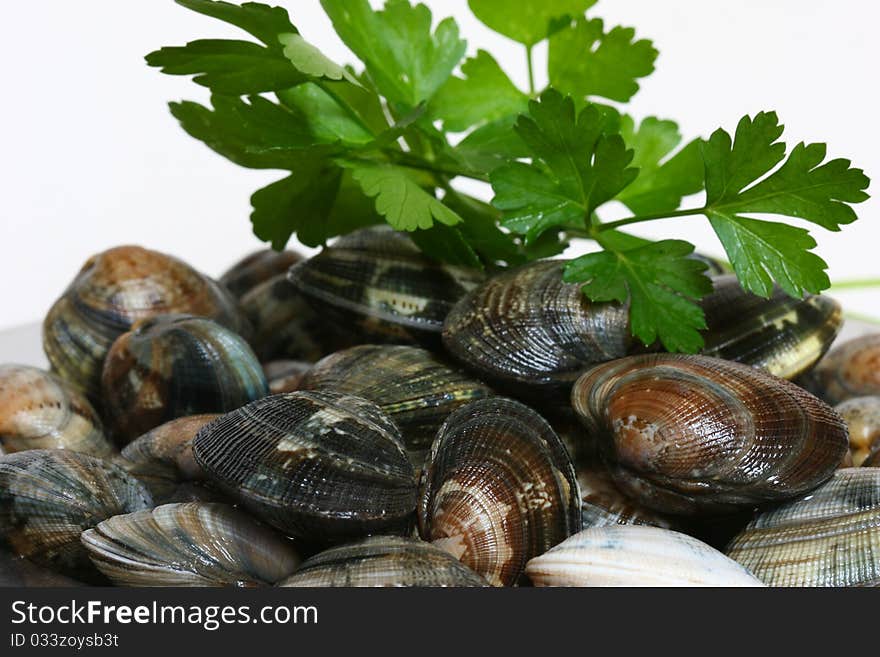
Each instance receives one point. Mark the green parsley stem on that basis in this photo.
(856, 284)
(531, 66)
(416, 162)
(612, 225)
(861, 318)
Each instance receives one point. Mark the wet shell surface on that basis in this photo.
(176, 365)
(324, 466)
(526, 327)
(49, 496)
(256, 268)
(636, 555)
(602, 504)
(689, 434)
(416, 389)
(162, 458)
(112, 291)
(191, 544)
(862, 417)
(378, 285)
(830, 537)
(285, 375)
(384, 561)
(499, 488)
(38, 410)
(782, 335)
(849, 370)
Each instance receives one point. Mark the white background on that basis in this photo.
(91, 158)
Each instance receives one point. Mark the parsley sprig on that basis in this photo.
(388, 141)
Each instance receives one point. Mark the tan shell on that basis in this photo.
(851, 369)
(38, 410)
(285, 375)
(636, 555)
(862, 417)
(830, 537)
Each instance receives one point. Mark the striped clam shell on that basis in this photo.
(256, 268)
(602, 503)
(862, 417)
(499, 488)
(323, 466)
(38, 410)
(851, 369)
(49, 496)
(830, 537)
(175, 365)
(636, 555)
(384, 561)
(190, 544)
(689, 434)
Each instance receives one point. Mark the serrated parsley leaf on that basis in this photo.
(406, 61)
(585, 61)
(484, 94)
(661, 284)
(528, 22)
(399, 198)
(492, 145)
(309, 60)
(577, 167)
(662, 181)
(262, 21)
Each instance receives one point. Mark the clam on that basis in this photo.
(416, 389)
(862, 417)
(49, 496)
(39, 410)
(384, 561)
(636, 555)
(323, 466)
(257, 268)
(603, 504)
(830, 537)
(162, 458)
(112, 291)
(782, 335)
(849, 370)
(499, 488)
(175, 365)
(285, 375)
(191, 544)
(689, 434)
(378, 285)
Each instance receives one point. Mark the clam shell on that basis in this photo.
(849, 370)
(175, 365)
(862, 417)
(191, 544)
(602, 503)
(256, 268)
(499, 488)
(688, 434)
(115, 289)
(49, 496)
(40, 411)
(636, 555)
(285, 375)
(378, 285)
(323, 466)
(416, 389)
(830, 537)
(384, 561)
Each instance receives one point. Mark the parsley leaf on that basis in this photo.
(662, 180)
(577, 166)
(661, 284)
(527, 22)
(307, 59)
(585, 60)
(492, 145)
(483, 95)
(259, 20)
(407, 63)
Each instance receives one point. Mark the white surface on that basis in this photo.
(91, 158)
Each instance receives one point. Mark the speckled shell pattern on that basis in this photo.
(49, 496)
(285, 375)
(112, 291)
(256, 268)
(783, 335)
(602, 503)
(415, 388)
(384, 561)
(377, 285)
(324, 466)
(862, 417)
(175, 365)
(691, 434)
(499, 488)
(849, 370)
(191, 544)
(526, 327)
(830, 537)
(636, 555)
(38, 410)
(162, 458)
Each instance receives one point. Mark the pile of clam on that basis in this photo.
(370, 417)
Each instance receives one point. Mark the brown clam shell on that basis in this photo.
(285, 375)
(851, 369)
(688, 434)
(499, 488)
(862, 417)
(602, 503)
(256, 268)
